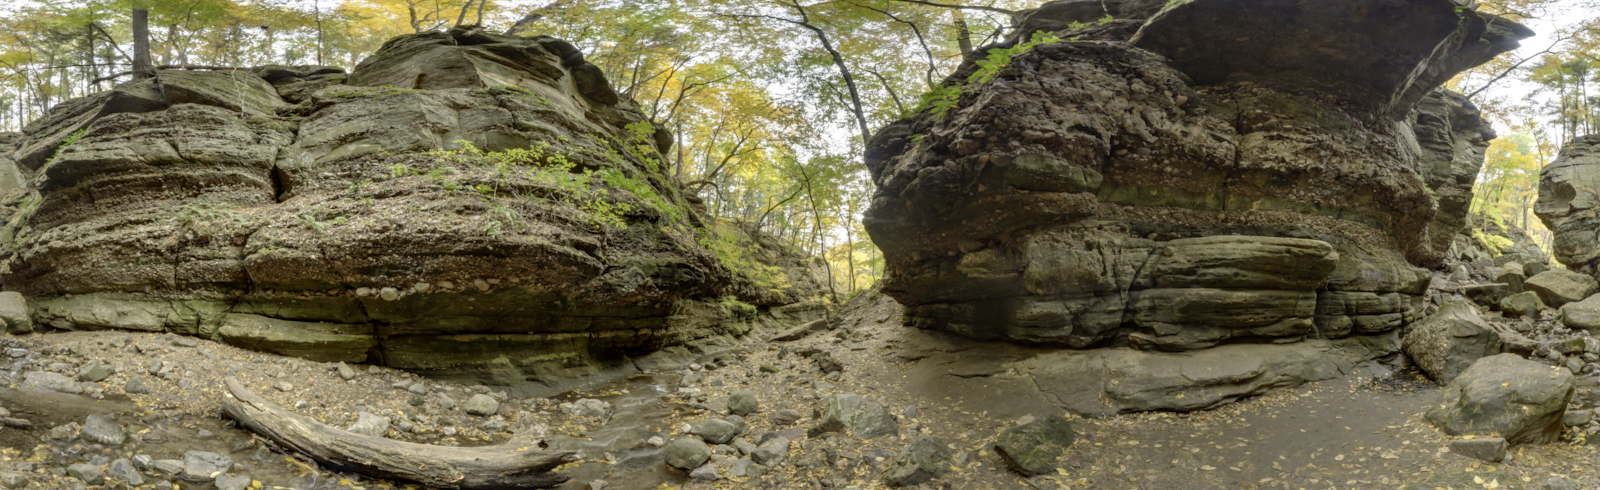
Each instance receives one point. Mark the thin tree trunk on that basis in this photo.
(963, 33)
(142, 68)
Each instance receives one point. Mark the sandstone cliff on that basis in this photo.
(1219, 172)
(461, 204)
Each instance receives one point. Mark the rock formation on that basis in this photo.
(1569, 204)
(461, 204)
(1232, 172)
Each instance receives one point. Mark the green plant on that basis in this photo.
(194, 213)
(737, 308)
(941, 99)
(492, 228)
(320, 226)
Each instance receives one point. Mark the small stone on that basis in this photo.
(1559, 483)
(768, 368)
(232, 482)
(656, 441)
(445, 401)
(481, 405)
(706, 472)
(389, 294)
(284, 386)
(186, 342)
(13, 481)
(598, 485)
(589, 407)
(786, 416)
(368, 424)
(65, 432)
(101, 429)
(168, 466)
(89, 473)
(346, 372)
(136, 386)
(418, 388)
(743, 402)
(1031, 448)
(421, 287)
(910, 412)
(204, 466)
(1578, 417)
(122, 469)
(481, 284)
(687, 453)
(1491, 449)
(48, 381)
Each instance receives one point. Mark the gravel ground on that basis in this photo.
(1341, 434)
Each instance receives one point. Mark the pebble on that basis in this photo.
(232, 482)
(284, 386)
(368, 424)
(656, 441)
(136, 386)
(204, 466)
(122, 469)
(89, 473)
(706, 472)
(743, 402)
(417, 388)
(345, 371)
(1576, 418)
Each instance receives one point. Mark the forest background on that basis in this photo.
(770, 100)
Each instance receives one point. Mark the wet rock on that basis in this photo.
(482, 405)
(924, 459)
(1445, 343)
(717, 431)
(122, 469)
(143, 461)
(746, 468)
(136, 386)
(101, 429)
(368, 424)
(1033, 447)
(706, 472)
(232, 482)
(1491, 449)
(589, 407)
(862, 417)
(656, 441)
(687, 453)
(168, 466)
(1525, 304)
(65, 432)
(89, 473)
(772, 452)
(95, 371)
(204, 466)
(743, 402)
(1505, 395)
(48, 381)
(1557, 287)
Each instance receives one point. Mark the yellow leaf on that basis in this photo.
(1062, 471)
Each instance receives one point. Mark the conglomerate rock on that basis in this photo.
(461, 204)
(1270, 178)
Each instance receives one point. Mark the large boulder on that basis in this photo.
(856, 415)
(1449, 341)
(1558, 287)
(1505, 396)
(1525, 304)
(1569, 193)
(1032, 448)
(1582, 315)
(474, 207)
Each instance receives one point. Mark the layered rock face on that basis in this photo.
(462, 204)
(1281, 177)
(1569, 204)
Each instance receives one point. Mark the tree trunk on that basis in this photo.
(518, 463)
(963, 34)
(142, 68)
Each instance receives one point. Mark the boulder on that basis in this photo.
(1450, 340)
(481, 405)
(1507, 396)
(1510, 274)
(14, 310)
(859, 416)
(202, 466)
(1558, 287)
(743, 402)
(48, 381)
(1582, 315)
(87, 473)
(1525, 304)
(771, 453)
(687, 453)
(1489, 449)
(717, 431)
(1568, 194)
(101, 429)
(924, 459)
(1033, 447)
(1488, 295)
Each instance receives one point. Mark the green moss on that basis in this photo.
(353, 92)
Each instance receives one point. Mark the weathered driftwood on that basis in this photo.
(519, 463)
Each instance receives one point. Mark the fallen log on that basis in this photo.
(518, 463)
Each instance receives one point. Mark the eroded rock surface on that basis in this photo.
(461, 204)
(1569, 203)
(1193, 186)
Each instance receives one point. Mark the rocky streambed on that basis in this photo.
(835, 408)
